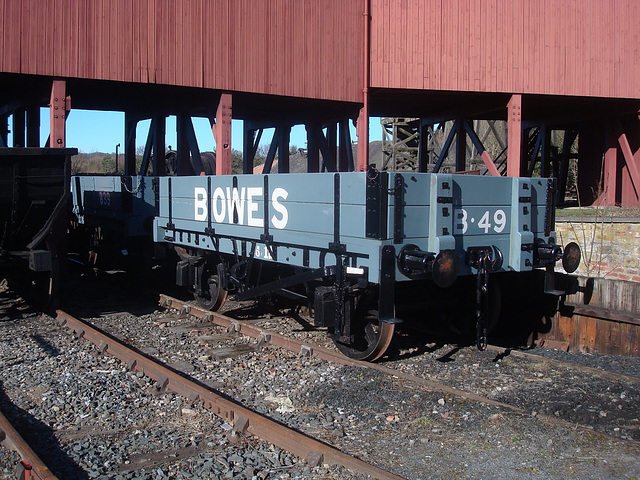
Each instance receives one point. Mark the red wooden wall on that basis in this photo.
(313, 48)
(559, 47)
(304, 48)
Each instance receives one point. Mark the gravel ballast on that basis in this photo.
(106, 423)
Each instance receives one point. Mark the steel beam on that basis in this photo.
(313, 148)
(4, 129)
(284, 136)
(130, 124)
(445, 148)
(19, 122)
(159, 126)
(484, 155)
(33, 127)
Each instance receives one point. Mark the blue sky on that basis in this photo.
(93, 131)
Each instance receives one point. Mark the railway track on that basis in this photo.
(31, 465)
(208, 318)
(244, 421)
(386, 417)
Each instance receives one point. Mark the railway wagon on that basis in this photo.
(34, 196)
(352, 243)
(114, 214)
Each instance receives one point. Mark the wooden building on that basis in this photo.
(546, 65)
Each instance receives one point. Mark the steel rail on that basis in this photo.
(10, 437)
(333, 356)
(244, 420)
(502, 351)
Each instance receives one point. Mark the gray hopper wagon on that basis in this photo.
(351, 242)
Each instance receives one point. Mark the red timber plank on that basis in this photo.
(570, 33)
(499, 27)
(385, 41)
(437, 49)
(75, 36)
(561, 49)
(484, 47)
(114, 40)
(538, 24)
(4, 64)
(127, 18)
(465, 58)
(456, 36)
(526, 59)
(193, 53)
(199, 44)
(623, 34)
(417, 12)
(493, 45)
(27, 41)
(374, 50)
(138, 17)
(94, 37)
(159, 41)
(207, 44)
(383, 22)
(261, 67)
(162, 40)
(516, 41)
(307, 33)
(634, 53)
(402, 55)
(290, 38)
(509, 45)
(238, 33)
(149, 43)
(272, 67)
(62, 26)
(445, 46)
(50, 45)
(171, 34)
(104, 23)
(226, 48)
(12, 40)
(475, 30)
(177, 45)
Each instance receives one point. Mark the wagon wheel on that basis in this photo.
(370, 336)
(214, 298)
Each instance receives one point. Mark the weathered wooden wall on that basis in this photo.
(303, 48)
(558, 47)
(585, 328)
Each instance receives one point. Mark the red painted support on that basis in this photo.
(633, 164)
(59, 106)
(514, 140)
(363, 117)
(609, 173)
(222, 135)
